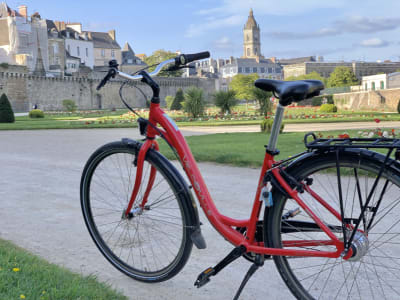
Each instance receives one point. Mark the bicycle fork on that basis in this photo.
(150, 143)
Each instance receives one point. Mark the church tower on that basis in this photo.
(251, 38)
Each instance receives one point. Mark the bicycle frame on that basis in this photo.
(224, 224)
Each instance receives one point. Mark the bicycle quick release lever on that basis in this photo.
(113, 65)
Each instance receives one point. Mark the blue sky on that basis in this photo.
(336, 29)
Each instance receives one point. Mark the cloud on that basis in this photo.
(355, 24)
(195, 30)
(223, 43)
(374, 43)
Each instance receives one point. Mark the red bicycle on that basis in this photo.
(331, 214)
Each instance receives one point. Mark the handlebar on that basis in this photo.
(178, 61)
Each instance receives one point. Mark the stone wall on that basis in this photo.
(25, 90)
(368, 100)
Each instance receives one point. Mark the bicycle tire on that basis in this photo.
(162, 229)
(373, 275)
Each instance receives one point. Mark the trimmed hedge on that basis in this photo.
(36, 113)
(6, 112)
(318, 101)
(327, 108)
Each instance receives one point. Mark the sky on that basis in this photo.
(336, 29)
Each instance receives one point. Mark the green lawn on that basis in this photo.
(25, 276)
(243, 149)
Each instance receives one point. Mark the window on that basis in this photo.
(269, 70)
(247, 70)
(231, 70)
(254, 70)
(112, 53)
(248, 51)
(77, 51)
(87, 52)
(103, 52)
(130, 61)
(55, 48)
(247, 37)
(382, 85)
(240, 69)
(255, 51)
(373, 86)
(278, 70)
(262, 70)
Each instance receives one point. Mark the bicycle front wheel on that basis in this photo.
(152, 245)
(374, 270)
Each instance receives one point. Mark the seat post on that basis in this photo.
(276, 126)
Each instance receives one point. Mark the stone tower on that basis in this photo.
(251, 38)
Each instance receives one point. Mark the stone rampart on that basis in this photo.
(368, 100)
(25, 90)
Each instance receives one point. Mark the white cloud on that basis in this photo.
(224, 43)
(195, 30)
(374, 42)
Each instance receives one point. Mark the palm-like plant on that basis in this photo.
(225, 100)
(194, 102)
(263, 99)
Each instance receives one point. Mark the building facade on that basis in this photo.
(380, 82)
(105, 47)
(265, 68)
(130, 62)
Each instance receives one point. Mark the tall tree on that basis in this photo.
(225, 100)
(263, 99)
(243, 86)
(6, 112)
(342, 76)
(159, 56)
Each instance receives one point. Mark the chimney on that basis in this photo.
(273, 59)
(23, 11)
(111, 33)
(89, 33)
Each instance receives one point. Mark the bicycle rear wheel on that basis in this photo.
(155, 243)
(374, 270)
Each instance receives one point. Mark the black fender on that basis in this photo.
(183, 188)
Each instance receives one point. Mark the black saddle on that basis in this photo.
(291, 91)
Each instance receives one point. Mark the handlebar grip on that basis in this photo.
(187, 58)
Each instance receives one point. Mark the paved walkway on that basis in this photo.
(40, 211)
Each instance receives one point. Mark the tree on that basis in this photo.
(168, 101)
(177, 103)
(69, 105)
(225, 100)
(263, 99)
(159, 56)
(194, 102)
(6, 112)
(243, 86)
(342, 76)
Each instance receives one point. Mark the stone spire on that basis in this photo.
(251, 38)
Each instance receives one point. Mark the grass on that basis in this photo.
(242, 149)
(25, 276)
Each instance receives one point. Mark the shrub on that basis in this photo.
(69, 105)
(319, 100)
(168, 101)
(4, 65)
(266, 126)
(225, 100)
(36, 113)
(327, 108)
(194, 102)
(6, 112)
(398, 107)
(177, 103)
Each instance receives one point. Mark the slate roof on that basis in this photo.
(102, 40)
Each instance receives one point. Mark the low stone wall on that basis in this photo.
(368, 100)
(24, 91)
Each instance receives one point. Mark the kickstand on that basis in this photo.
(259, 261)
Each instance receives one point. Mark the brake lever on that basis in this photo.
(176, 68)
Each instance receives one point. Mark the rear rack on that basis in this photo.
(338, 143)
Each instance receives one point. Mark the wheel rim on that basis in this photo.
(374, 271)
(151, 242)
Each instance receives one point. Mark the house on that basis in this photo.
(56, 50)
(381, 81)
(105, 47)
(130, 62)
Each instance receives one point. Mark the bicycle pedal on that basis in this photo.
(204, 277)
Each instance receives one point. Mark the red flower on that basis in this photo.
(344, 136)
(377, 120)
(380, 133)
